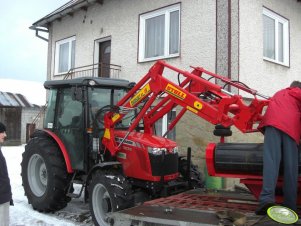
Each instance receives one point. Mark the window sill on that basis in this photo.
(158, 58)
(276, 62)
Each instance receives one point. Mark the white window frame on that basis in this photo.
(285, 23)
(57, 52)
(165, 123)
(163, 11)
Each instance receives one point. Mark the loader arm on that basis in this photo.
(196, 94)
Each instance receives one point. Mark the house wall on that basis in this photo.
(264, 76)
(120, 21)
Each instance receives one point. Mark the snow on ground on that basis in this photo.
(22, 214)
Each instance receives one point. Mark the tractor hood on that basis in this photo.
(144, 139)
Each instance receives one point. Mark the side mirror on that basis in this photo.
(131, 85)
(76, 93)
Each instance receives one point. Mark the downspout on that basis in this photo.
(41, 30)
(229, 43)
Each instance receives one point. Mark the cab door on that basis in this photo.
(70, 126)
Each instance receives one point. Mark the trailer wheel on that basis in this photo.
(109, 192)
(196, 177)
(44, 175)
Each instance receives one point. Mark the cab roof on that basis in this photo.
(87, 81)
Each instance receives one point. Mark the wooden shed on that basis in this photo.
(18, 115)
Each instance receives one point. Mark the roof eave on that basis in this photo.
(44, 22)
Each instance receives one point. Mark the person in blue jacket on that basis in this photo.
(5, 188)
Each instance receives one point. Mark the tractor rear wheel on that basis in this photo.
(109, 192)
(44, 175)
(196, 177)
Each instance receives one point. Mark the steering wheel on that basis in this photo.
(98, 122)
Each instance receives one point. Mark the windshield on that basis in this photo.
(101, 97)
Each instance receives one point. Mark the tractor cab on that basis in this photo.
(73, 108)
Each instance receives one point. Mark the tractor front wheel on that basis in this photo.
(44, 175)
(108, 192)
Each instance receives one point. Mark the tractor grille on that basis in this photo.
(164, 164)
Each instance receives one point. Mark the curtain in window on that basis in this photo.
(174, 33)
(170, 117)
(154, 36)
(72, 53)
(160, 128)
(280, 42)
(63, 57)
(268, 37)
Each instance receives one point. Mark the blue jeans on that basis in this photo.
(278, 145)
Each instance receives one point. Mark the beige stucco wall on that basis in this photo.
(264, 76)
(120, 21)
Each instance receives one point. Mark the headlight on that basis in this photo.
(156, 151)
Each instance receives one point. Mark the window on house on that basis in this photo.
(64, 55)
(275, 38)
(159, 35)
(162, 125)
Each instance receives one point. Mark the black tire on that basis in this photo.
(196, 177)
(109, 192)
(44, 175)
(220, 131)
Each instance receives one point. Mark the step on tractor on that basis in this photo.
(100, 133)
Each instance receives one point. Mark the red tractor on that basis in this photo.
(100, 133)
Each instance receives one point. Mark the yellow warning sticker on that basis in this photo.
(142, 93)
(174, 91)
(192, 109)
(107, 134)
(198, 105)
(115, 117)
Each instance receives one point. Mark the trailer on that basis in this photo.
(198, 207)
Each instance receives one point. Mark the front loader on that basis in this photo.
(69, 151)
(100, 133)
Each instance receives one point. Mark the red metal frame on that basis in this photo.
(224, 108)
(207, 200)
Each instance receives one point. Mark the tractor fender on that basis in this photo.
(102, 165)
(62, 147)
